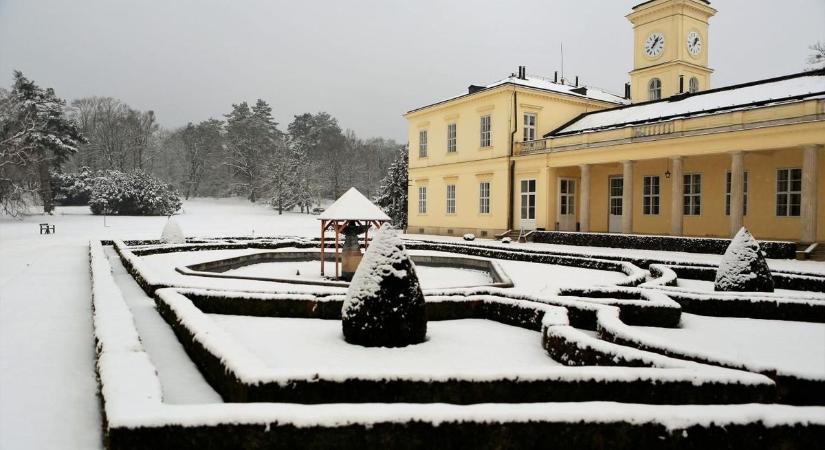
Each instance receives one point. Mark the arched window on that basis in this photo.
(654, 89)
(693, 85)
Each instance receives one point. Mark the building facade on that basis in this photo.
(678, 157)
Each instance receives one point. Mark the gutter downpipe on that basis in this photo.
(511, 163)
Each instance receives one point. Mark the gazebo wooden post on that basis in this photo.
(323, 232)
(367, 236)
(337, 230)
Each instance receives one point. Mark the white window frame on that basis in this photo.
(484, 197)
(451, 137)
(486, 128)
(615, 205)
(422, 199)
(528, 199)
(786, 195)
(567, 197)
(530, 120)
(450, 199)
(693, 85)
(654, 89)
(422, 143)
(651, 195)
(692, 194)
(728, 181)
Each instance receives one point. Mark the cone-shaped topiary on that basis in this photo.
(384, 306)
(172, 233)
(743, 268)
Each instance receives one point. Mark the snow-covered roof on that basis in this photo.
(545, 84)
(353, 206)
(750, 95)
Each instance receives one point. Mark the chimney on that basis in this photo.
(556, 77)
(681, 84)
(577, 81)
(627, 91)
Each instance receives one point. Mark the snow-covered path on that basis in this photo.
(47, 381)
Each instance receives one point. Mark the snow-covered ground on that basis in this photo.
(47, 380)
(793, 347)
(464, 347)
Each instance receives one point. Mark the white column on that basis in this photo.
(584, 199)
(737, 191)
(627, 197)
(552, 198)
(676, 198)
(810, 157)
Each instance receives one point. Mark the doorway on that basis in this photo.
(616, 191)
(528, 205)
(567, 204)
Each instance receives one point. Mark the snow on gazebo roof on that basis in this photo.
(353, 206)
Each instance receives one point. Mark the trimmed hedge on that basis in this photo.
(773, 249)
(478, 435)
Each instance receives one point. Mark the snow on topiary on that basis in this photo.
(469, 237)
(506, 240)
(743, 267)
(384, 306)
(172, 233)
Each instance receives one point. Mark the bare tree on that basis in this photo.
(816, 60)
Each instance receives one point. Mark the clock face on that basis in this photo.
(655, 44)
(694, 43)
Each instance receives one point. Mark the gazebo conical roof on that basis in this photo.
(353, 206)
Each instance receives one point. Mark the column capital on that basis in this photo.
(584, 166)
(737, 152)
(813, 147)
(676, 158)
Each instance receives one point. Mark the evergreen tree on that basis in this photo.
(393, 192)
(35, 137)
(253, 140)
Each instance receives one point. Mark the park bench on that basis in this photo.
(46, 228)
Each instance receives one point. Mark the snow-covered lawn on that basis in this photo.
(793, 347)
(456, 347)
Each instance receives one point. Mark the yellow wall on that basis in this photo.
(470, 161)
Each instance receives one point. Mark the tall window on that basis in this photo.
(788, 192)
(450, 199)
(422, 144)
(567, 197)
(650, 196)
(616, 199)
(529, 127)
(693, 85)
(528, 199)
(422, 199)
(486, 131)
(692, 194)
(484, 197)
(744, 193)
(654, 89)
(451, 138)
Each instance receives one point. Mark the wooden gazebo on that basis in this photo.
(352, 208)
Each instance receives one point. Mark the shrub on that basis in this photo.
(743, 267)
(384, 306)
(469, 237)
(134, 193)
(73, 189)
(172, 233)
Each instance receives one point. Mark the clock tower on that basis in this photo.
(670, 48)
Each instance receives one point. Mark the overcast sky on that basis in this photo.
(365, 62)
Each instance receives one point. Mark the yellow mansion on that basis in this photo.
(672, 156)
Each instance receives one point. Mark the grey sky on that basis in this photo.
(365, 62)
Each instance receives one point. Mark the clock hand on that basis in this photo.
(695, 40)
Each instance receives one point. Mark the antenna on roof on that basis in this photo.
(562, 61)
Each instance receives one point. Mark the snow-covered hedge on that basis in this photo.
(135, 416)
(73, 189)
(133, 193)
(774, 249)
(743, 267)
